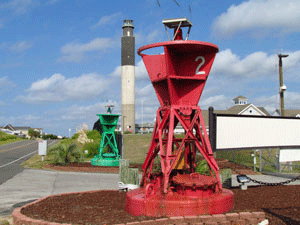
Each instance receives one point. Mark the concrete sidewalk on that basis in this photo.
(32, 184)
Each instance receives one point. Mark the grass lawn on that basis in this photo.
(36, 162)
(136, 147)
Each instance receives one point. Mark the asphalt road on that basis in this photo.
(19, 186)
(13, 154)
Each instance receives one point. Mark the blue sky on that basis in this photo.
(60, 59)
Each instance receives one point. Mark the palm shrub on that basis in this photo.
(65, 153)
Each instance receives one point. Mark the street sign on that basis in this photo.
(43, 147)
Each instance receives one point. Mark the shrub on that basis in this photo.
(49, 136)
(203, 168)
(33, 134)
(93, 134)
(7, 137)
(75, 136)
(92, 146)
(65, 153)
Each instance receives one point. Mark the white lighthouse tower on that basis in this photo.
(128, 83)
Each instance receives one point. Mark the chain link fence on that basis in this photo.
(260, 160)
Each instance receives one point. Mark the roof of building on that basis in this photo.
(291, 112)
(15, 128)
(240, 97)
(264, 111)
(9, 127)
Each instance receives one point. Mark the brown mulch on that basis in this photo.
(82, 167)
(88, 167)
(281, 203)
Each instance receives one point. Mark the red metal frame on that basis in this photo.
(170, 149)
(178, 82)
(178, 77)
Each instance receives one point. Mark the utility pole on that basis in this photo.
(282, 87)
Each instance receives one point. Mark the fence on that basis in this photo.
(261, 160)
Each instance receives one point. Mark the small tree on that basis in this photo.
(33, 134)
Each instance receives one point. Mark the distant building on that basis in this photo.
(240, 107)
(240, 100)
(20, 131)
(144, 128)
(288, 113)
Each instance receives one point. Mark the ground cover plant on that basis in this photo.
(8, 138)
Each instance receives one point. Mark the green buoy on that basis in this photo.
(108, 149)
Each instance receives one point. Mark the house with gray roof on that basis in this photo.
(19, 130)
(240, 107)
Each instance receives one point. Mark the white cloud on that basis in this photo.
(140, 71)
(1, 24)
(217, 101)
(146, 104)
(74, 52)
(58, 88)
(107, 20)
(52, 2)
(292, 100)
(6, 84)
(272, 102)
(76, 112)
(146, 38)
(20, 46)
(19, 6)
(4, 81)
(145, 90)
(264, 15)
(254, 65)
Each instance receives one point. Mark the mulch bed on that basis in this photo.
(281, 204)
(82, 167)
(88, 167)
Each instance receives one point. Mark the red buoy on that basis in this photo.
(175, 189)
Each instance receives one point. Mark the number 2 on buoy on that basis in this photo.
(200, 64)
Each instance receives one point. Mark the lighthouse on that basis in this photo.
(128, 83)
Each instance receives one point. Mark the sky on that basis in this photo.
(60, 60)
